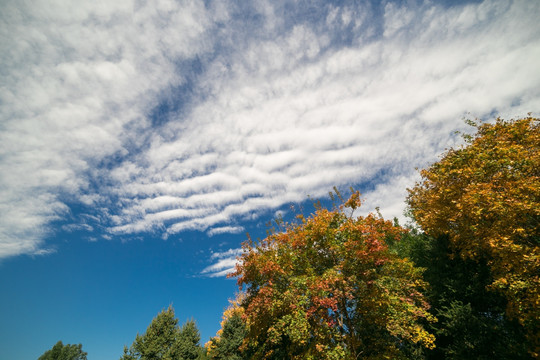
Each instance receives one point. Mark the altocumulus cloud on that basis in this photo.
(224, 263)
(173, 116)
(78, 79)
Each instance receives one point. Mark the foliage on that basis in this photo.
(228, 342)
(188, 342)
(227, 345)
(472, 321)
(486, 197)
(328, 287)
(165, 340)
(64, 352)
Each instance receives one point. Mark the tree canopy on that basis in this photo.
(486, 197)
(328, 287)
(472, 323)
(64, 352)
(461, 283)
(227, 344)
(165, 340)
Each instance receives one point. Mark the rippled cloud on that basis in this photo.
(170, 116)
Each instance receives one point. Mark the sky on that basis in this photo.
(140, 141)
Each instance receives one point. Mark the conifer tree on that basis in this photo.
(64, 352)
(165, 340)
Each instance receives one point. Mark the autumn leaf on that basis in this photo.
(486, 197)
(328, 287)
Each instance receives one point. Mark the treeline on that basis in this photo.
(461, 282)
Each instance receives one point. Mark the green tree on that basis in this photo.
(228, 345)
(188, 342)
(472, 323)
(64, 352)
(486, 197)
(165, 340)
(328, 287)
(229, 340)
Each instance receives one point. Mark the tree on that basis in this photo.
(486, 197)
(64, 352)
(164, 340)
(328, 287)
(188, 342)
(227, 344)
(472, 323)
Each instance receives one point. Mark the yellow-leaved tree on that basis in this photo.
(486, 197)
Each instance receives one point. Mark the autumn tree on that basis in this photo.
(328, 287)
(64, 352)
(165, 340)
(485, 196)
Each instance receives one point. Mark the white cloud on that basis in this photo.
(279, 108)
(225, 264)
(225, 230)
(74, 75)
(226, 254)
(292, 125)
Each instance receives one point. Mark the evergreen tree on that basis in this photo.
(188, 342)
(227, 346)
(472, 323)
(165, 340)
(64, 352)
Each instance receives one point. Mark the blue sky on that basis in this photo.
(141, 141)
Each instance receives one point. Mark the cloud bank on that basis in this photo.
(171, 116)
